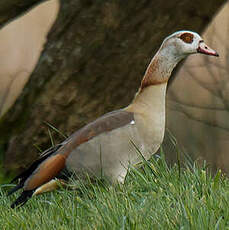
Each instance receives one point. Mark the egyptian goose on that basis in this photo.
(108, 145)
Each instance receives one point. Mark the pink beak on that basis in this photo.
(204, 49)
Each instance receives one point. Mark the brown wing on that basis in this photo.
(49, 168)
(54, 163)
(46, 171)
(106, 123)
(28, 172)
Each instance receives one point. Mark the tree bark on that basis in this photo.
(93, 62)
(10, 9)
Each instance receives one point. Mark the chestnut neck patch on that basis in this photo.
(187, 37)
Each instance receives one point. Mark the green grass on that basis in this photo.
(154, 197)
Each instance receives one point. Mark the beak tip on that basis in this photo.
(204, 49)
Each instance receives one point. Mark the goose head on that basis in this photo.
(174, 48)
(182, 43)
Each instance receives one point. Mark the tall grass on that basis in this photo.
(153, 197)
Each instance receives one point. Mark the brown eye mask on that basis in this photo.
(187, 37)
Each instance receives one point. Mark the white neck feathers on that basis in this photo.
(149, 100)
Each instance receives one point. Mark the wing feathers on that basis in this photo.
(52, 163)
(45, 172)
(25, 174)
(21, 200)
(106, 123)
(17, 187)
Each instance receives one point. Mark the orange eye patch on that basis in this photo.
(187, 37)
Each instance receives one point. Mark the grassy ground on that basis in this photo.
(155, 197)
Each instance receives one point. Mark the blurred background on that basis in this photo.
(64, 63)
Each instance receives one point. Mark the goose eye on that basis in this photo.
(186, 37)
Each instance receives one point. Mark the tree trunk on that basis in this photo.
(93, 62)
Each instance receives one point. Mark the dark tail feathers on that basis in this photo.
(17, 187)
(22, 199)
(26, 174)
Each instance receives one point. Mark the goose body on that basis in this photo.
(108, 145)
(112, 151)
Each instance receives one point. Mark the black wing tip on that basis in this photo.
(14, 189)
(23, 176)
(22, 199)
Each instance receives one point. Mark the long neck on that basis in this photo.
(160, 67)
(153, 86)
(149, 115)
(150, 101)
